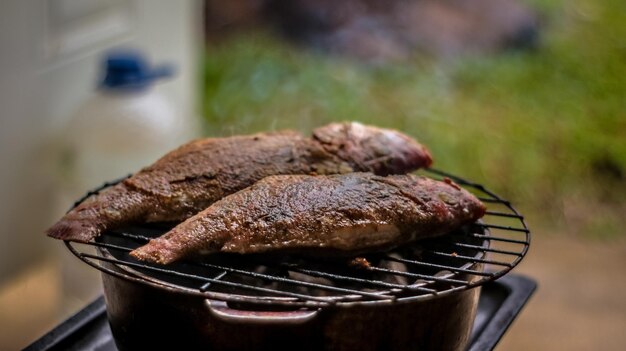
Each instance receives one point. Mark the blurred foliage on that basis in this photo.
(545, 128)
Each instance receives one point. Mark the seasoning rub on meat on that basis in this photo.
(195, 175)
(338, 214)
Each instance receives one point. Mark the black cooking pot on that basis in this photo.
(146, 313)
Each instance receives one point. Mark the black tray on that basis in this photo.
(500, 302)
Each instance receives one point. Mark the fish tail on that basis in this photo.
(113, 207)
(73, 230)
(155, 251)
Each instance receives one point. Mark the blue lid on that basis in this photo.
(130, 70)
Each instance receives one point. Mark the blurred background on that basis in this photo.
(526, 97)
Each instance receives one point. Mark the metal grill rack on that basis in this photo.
(469, 257)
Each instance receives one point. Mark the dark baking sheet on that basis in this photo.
(500, 303)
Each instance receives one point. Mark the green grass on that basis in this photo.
(546, 128)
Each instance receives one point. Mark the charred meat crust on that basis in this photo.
(347, 214)
(195, 175)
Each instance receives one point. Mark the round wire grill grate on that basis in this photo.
(466, 258)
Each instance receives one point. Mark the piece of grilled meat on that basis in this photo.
(337, 214)
(195, 175)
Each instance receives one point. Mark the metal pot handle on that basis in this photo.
(220, 310)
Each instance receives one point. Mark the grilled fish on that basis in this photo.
(192, 177)
(337, 214)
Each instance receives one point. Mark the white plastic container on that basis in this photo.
(116, 133)
(125, 126)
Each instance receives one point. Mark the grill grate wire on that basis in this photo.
(482, 252)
